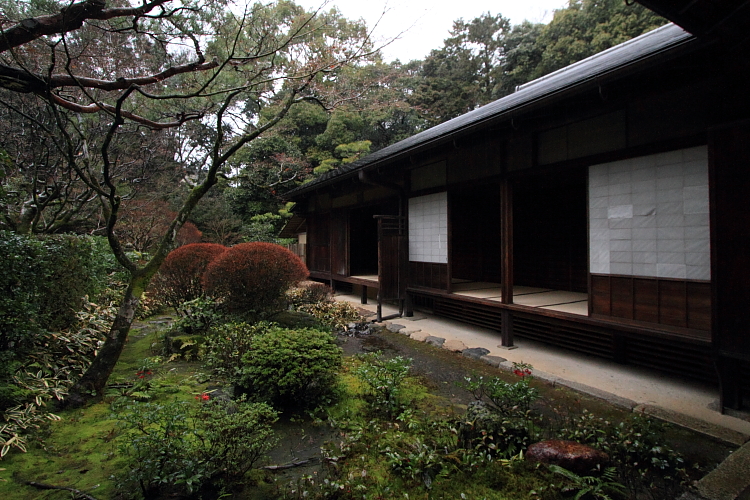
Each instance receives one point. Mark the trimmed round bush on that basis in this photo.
(252, 277)
(291, 368)
(180, 277)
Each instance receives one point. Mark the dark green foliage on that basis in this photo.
(384, 380)
(179, 448)
(225, 347)
(43, 284)
(291, 368)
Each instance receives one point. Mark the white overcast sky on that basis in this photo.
(426, 23)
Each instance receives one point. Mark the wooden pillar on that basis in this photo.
(364, 294)
(506, 254)
(729, 162)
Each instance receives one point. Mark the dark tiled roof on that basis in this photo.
(590, 69)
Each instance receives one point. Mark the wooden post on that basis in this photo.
(506, 255)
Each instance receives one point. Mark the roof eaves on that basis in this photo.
(571, 78)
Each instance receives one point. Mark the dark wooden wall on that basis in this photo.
(672, 302)
(318, 243)
(729, 164)
(428, 275)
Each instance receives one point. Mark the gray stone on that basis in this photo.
(436, 341)
(393, 327)
(475, 352)
(493, 360)
(730, 480)
(408, 331)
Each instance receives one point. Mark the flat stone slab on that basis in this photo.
(454, 345)
(475, 352)
(393, 327)
(409, 331)
(436, 341)
(730, 480)
(420, 336)
(493, 360)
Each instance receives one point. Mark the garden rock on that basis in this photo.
(393, 327)
(475, 352)
(436, 341)
(420, 336)
(493, 360)
(409, 331)
(454, 345)
(575, 457)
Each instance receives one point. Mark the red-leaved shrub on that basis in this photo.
(180, 277)
(253, 276)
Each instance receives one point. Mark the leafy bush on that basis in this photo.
(43, 281)
(336, 315)
(177, 448)
(500, 421)
(636, 448)
(308, 292)
(180, 277)
(291, 368)
(197, 316)
(226, 345)
(253, 276)
(384, 378)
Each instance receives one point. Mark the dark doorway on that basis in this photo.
(475, 233)
(550, 241)
(363, 241)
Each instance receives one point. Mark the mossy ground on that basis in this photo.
(81, 450)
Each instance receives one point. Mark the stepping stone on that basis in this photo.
(454, 345)
(393, 327)
(408, 331)
(475, 352)
(493, 360)
(420, 336)
(436, 341)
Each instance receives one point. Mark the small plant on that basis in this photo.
(333, 314)
(308, 292)
(291, 368)
(591, 487)
(384, 380)
(197, 316)
(507, 398)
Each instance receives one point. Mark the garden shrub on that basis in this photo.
(333, 314)
(252, 277)
(180, 277)
(384, 380)
(226, 345)
(291, 368)
(43, 281)
(308, 292)
(179, 448)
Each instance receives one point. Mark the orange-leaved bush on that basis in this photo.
(253, 276)
(180, 278)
